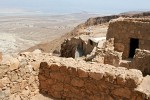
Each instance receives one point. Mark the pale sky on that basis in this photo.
(74, 6)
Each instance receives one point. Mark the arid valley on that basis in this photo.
(19, 33)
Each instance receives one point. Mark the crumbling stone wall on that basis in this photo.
(66, 78)
(141, 61)
(105, 57)
(69, 47)
(105, 54)
(18, 79)
(71, 79)
(122, 30)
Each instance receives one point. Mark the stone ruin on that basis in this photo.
(127, 43)
(79, 46)
(108, 72)
(132, 38)
(129, 34)
(25, 76)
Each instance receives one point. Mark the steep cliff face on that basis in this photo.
(100, 20)
(106, 19)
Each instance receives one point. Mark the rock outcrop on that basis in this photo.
(106, 19)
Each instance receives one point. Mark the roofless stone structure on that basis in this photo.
(129, 34)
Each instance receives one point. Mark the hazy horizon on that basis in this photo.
(68, 6)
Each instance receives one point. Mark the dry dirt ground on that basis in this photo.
(18, 33)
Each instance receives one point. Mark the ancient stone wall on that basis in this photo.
(71, 79)
(18, 79)
(122, 30)
(70, 47)
(105, 54)
(141, 61)
(66, 78)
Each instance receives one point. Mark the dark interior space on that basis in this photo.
(134, 43)
(79, 52)
(91, 42)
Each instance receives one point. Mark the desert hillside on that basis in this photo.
(22, 32)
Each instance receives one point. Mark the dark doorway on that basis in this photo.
(91, 42)
(79, 52)
(134, 43)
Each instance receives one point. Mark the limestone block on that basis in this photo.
(23, 84)
(122, 92)
(72, 71)
(25, 92)
(31, 79)
(35, 65)
(121, 79)
(67, 79)
(15, 88)
(141, 61)
(5, 81)
(57, 87)
(77, 82)
(44, 85)
(119, 47)
(42, 78)
(144, 87)
(14, 64)
(15, 97)
(63, 69)
(3, 70)
(96, 76)
(51, 81)
(133, 78)
(54, 67)
(57, 76)
(82, 73)
(14, 77)
(56, 94)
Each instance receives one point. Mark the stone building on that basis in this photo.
(129, 34)
(79, 46)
